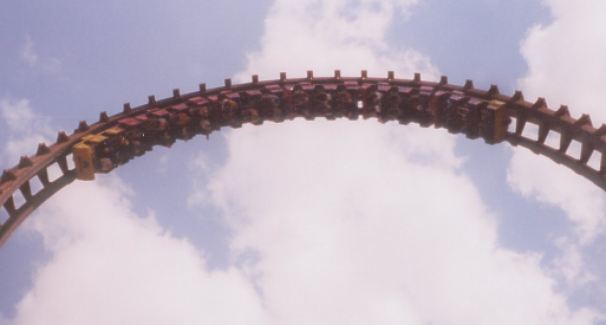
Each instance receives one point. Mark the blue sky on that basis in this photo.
(324, 222)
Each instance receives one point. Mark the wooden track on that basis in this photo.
(459, 109)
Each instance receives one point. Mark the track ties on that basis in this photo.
(520, 123)
(26, 190)
(126, 109)
(601, 131)
(43, 149)
(62, 137)
(82, 127)
(539, 103)
(562, 111)
(8, 176)
(9, 205)
(493, 91)
(565, 139)
(468, 84)
(543, 132)
(43, 177)
(584, 120)
(586, 151)
(517, 97)
(176, 93)
(103, 117)
(473, 112)
(25, 162)
(310, 75)
(62, 161)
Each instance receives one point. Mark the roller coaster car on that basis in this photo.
(456, 112)
(158, 121)
(155, 128)
(179, 115)
(425, 115)
(214, 112)
(251, 115)
(89, 156)
(300, 102)
(352, 86)
(494, 122)
(269, 107)
(198, 107)
(472, 117)
(354, 89)
(438, 105)
(320, 101)
(200, 112)
(409, 102)
(343, 103)
(86, 153)
(134, 133)
(371, 99)
(249, 107)
(274, 89)
(287, 106)
(100, 152)
(115, 147)
(230, 110)
(161, 122)
(390, 107)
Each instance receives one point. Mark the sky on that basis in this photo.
(324, 222)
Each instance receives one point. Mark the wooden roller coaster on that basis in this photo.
(114, 140)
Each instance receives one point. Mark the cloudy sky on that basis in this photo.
(303, 222)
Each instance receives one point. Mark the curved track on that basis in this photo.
(460, 109)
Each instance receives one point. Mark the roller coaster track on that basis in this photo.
(460, 109)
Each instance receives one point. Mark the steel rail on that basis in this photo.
(437, 104)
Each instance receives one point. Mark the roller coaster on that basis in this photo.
(478, 114)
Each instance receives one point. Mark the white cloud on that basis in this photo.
(25, 129)
(539, 178)
(201, 166)
(566, 57)
(163, 163)
(28, 53)
(348, 228)
(566, 66)
(106, 258)
(17, 114)
(334, 222)
(363, 223)
(110, 266)
(570, 265)
(337, 34)
(30, 56)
